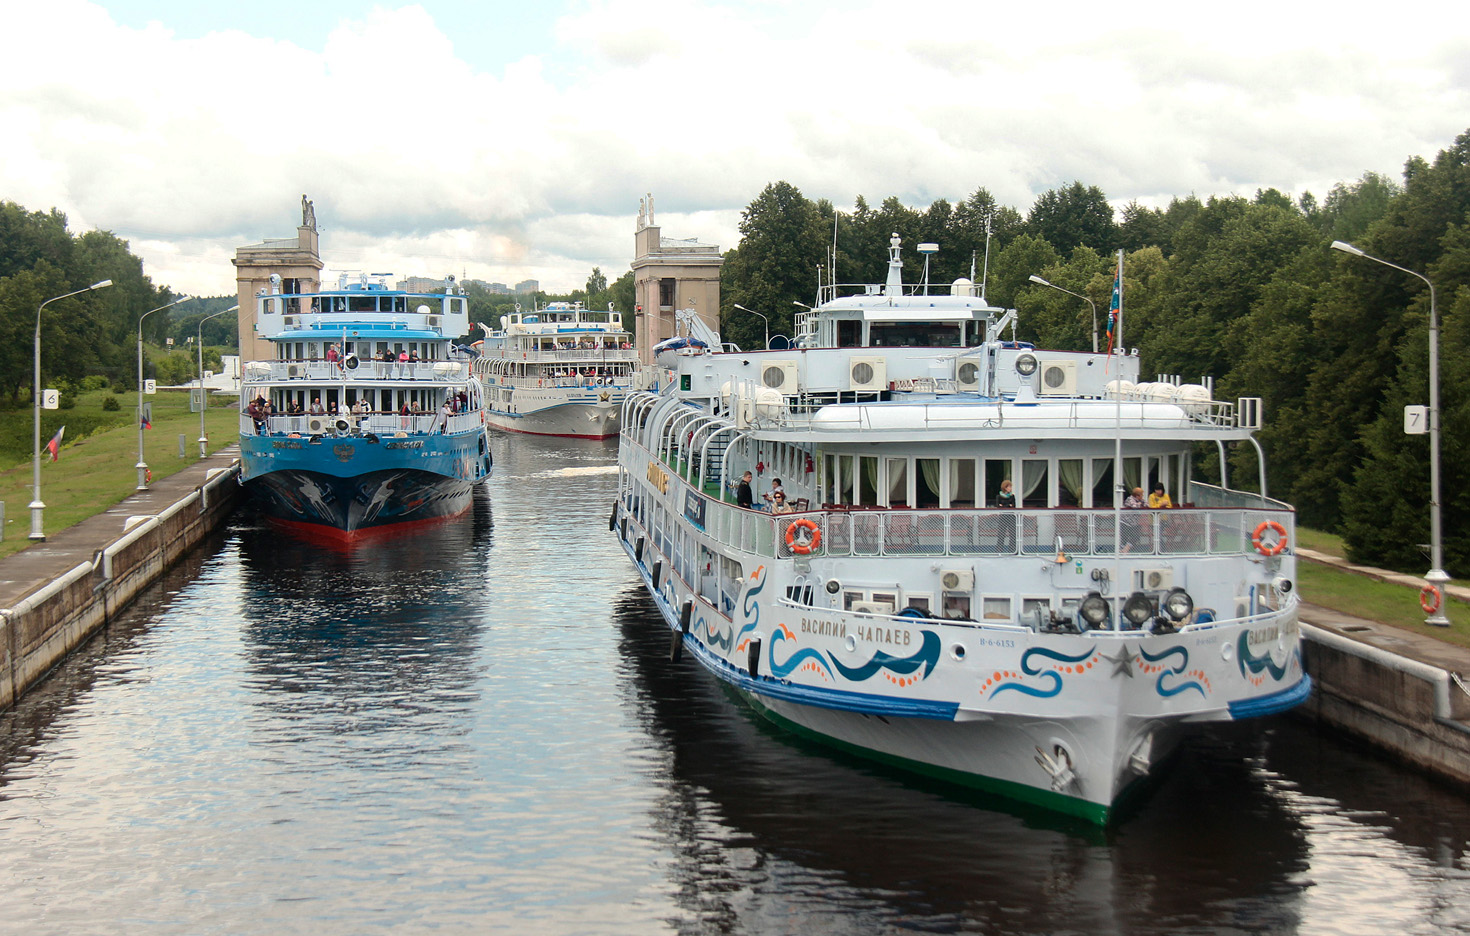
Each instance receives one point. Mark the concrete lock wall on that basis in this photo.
(40, 630)
(1410, 710)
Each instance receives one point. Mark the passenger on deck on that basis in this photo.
(1005, 540)
(1159, 497)
(1134, 500)
(743, 496)
(776, 488)
(779, 505)
(316, 407)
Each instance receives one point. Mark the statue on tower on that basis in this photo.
(308, 213)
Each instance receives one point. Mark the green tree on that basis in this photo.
(1069, 217)
(781, 244)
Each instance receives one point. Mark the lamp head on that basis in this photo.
(1036, 279)
(1345, 247)
(101, 284)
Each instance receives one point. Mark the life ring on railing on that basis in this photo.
(1258, 538)
(147, 475)
(1430, 599)
(807, 544)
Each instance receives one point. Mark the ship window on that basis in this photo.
(996, 609)
(926, 482)
(1035, 610)
(1069, 482)
(1102, 482)
(1034, 484)
(962, 482)
(996, 471)
(898, 482)
(1133, 473)
(957, 606)
(844, 479)
(868, 480)
(914, 335)
(849, 334)
(922, 602)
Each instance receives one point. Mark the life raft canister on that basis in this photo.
(808, 542)
(1262, 546)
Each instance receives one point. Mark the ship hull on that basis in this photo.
(344, 487)
(593, 418)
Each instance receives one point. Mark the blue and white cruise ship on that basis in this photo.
(369, 416)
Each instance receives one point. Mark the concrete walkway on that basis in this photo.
(23, 572)
(1415, 646)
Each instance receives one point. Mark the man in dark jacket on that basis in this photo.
(743, 495)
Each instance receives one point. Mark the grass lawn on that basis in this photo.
(1360, 596)
(97, 471)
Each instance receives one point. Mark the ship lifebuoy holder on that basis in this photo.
(1430, 599)
(807, 540)
(1258, 538)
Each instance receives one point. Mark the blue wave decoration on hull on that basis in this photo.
(1251, 665)
(1166, 691)
(1052, 677)
(782, 670)
(926, 656)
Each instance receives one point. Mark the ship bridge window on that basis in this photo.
(849, 334)
(362, 304)
(914, 334)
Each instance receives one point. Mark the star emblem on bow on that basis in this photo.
(1123, 662)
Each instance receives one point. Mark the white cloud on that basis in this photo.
(421, 164)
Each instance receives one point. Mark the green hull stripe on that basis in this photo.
(1094, 813)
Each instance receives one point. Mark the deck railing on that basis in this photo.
(287, 371)
(386, 425)
(1047, 534)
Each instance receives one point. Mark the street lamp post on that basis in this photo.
(1436, 575)
(142, 465)
(767, 345)
(38, 508)
(1041, 282)
(203, 400)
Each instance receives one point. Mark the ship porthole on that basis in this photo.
(1226, 651)
(851, 643)
(957, 652)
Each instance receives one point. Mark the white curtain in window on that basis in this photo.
(1033, 472)
(1133, 472)
(1069, 472)
(929, 468)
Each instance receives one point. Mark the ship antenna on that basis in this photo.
(985, 272)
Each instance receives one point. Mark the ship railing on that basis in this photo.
(287, 371)
(386, 425)
(798, 413)
(579, 355)
(1045, 533)
(623, 382)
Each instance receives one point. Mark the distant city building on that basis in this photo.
(494, 289)
(526, 287)
(422, 284)
(670, 274)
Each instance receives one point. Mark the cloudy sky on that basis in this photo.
(513, 140)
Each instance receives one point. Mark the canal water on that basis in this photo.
(476, 729)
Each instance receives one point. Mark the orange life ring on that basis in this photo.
(1429, 599)
(1266, 549)
(809, 544)
(147, 475)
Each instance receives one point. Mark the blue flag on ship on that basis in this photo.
(1114, 307)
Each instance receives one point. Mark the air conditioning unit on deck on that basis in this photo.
(1153, 579)
(779, 375)
(967, 375)
(873, 607)
(1058, 378)
(867, 373)
(957, 580)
